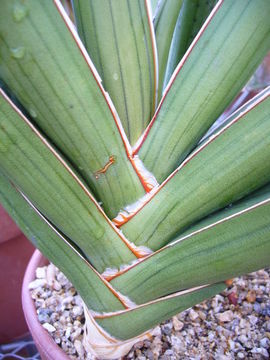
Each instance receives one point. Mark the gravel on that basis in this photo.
(232, 325)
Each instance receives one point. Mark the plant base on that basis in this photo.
(102, 345)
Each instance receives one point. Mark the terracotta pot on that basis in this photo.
(47, 348)
(15, 252)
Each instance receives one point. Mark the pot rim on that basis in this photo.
(46, 345)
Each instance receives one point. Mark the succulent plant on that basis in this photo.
(106, 160)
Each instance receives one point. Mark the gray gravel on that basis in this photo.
(232, 325)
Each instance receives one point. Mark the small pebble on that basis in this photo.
(177, 324)
(225, 316)
(38, 283)
(77, 310)
(49, 327)
(240, 355)
(251, 296)
(41, 273)
(193, 315)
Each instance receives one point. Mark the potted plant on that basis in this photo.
(15, 252)
(102, 165)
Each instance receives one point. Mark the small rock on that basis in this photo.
(36, 284)
(265, 343)
(243, 323)
(167, 329)
(229, 282)
(251, 296)
(233, 299)
(149, 354)
(266, 311)
(67, 300)
(243, 339)
(260, 351)
(56, 285)
(177, 324)
(79, 348)
(193, 315)
(225, 316)
(75, 334)
(257, 308)
(202, 315)
(77, 310)
(50, 274)
(253, 319)
(240, 355)
(41, 272)
(49, 327)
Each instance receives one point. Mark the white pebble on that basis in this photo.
(79, 348)
(260, 351)
(57, 286)
(51, 274)
(36, 284)
(265, 342)
(253, 319)
(77, 310)
(67, 300)
(240, 355)
(75, 334)
(225, 316)
(41, 273)
(193, 315)
(49, 327)
(177, 324)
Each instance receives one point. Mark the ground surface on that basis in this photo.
(232, 325)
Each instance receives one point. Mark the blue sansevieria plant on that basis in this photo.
(105, 159)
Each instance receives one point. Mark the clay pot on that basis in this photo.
(47, 348)
(15, 252)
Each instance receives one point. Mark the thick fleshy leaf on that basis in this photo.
(222, 58)
(228, 166)
(239, 110)
(55, 189)
(154, 4)
(130, 323)
(190, 19)
(97, 294)
(227, 244)
(164, 22)
(45, 65)
(119, 38)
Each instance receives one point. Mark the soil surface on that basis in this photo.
(232, 325)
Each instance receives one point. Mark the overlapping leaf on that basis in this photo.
(47, 68)
(164, 21)
(227, 167)
(54, 188)
(94, 291)
(119, 38)
(232, 242)
(190, 19)
(231, 45)
(130, 323)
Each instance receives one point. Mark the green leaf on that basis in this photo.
(96, 293)
(154, 4)
(47, 68)
(164, 22)
(190, 19)
(55, 189)
(231, 45)
(229, 243)
(130, 323)
(119, 38)
(228, 166)
(241, 110)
